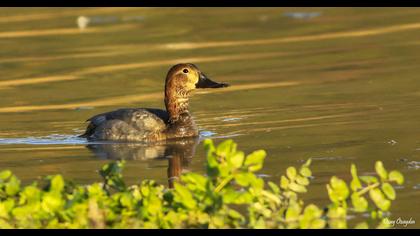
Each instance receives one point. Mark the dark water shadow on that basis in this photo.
(179, 153)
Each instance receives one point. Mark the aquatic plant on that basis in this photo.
(230, 195)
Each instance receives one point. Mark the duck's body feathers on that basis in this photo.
(128, 124)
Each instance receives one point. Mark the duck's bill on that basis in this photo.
(205, 82)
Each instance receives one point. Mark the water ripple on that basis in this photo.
(45, 140)
(65, 139)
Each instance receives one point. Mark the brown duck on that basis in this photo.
(150, 124)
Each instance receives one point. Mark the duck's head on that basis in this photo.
(181, 80)
(186, 77)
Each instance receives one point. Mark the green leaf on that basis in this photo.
(5, 174)
(274, 187)
(112, 175)
(236, 215)
(291, 172)
(212, 165)
(240, 198)
(373, 214)
(353, 171)
(284, 182)
(302, 180)
(225, 148)
(297, 188)
(224, 170)
(396, 176)
(208, 146)
(185, 196)
(262, 209)
(332, 194)
(112, 169)
(57, 183)
(31, 193)
(311, 218)
(312, 211)
(194, 181)
(52, 202)
(355, 182)
(293, 212)
(360, 203)
(237, 159)
(257, 184)
(340, 188)
(145, 190)
(337, 212)
(369, 179)
(388, 190)
(379, 199)
(126, 200)
(4, 213)
(305, 171)
(244, 179)
(231, 196)
(12, 186)
(8, 204)
(254, 161)
(380, 170)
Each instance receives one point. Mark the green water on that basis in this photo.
(342, 87)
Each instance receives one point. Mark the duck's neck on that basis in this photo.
(176, 102)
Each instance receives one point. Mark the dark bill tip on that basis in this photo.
(205, 82)
(222, 85)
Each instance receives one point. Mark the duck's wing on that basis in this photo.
(128, 120)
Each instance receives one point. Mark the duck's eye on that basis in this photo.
(185, 71)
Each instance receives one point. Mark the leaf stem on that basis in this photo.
(369, 187)
(223, 183)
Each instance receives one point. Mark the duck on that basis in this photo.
(153, 124)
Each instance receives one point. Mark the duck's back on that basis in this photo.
(129, 124)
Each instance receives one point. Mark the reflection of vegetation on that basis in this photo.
(230, 195)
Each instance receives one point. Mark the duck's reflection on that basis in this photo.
(178, 152)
